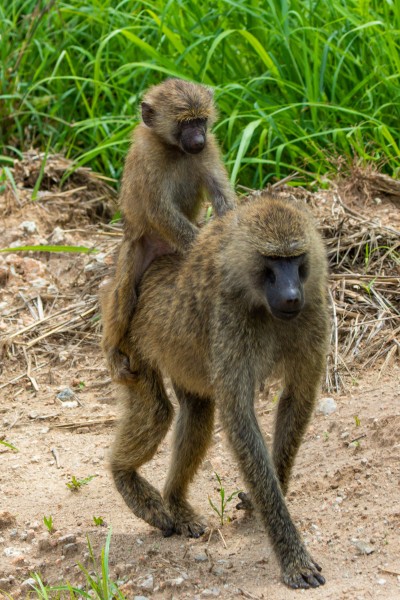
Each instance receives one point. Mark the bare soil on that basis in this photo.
(344, 495)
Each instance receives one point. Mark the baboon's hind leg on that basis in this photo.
(145, 421)
(192, 437)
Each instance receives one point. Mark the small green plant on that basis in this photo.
(97, 584)
(98, 521)
(8, 445)
(48, 521)
(81, 385)
(326, 436)
(75, 484)
(224, 501)
(357, 421)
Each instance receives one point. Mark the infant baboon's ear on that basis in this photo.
(148, 114)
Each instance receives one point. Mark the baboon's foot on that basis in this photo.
(120, 368)
(144, 501)
(245, 502)
(304, 573)
(187, 521)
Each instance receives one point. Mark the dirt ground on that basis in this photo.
(344, 495)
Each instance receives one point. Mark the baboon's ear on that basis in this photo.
(147, 114)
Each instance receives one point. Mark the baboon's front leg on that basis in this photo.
(236, 399)
(295, 410)
(192, 437)
(145, 420)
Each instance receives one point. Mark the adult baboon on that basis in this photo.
(173, 164)
(249, 300)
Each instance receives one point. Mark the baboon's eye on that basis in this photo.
(303, 268)
(269, 275)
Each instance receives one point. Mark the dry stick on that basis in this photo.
(336, 338)
(56, 457)
(23, 375)
(360, 437)
(76, 425)
(39, 322)
(60, 327)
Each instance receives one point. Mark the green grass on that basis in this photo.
(298, 83)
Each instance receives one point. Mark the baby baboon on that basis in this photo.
(172, 165)
(247, 301)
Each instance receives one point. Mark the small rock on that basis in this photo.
(147, 583)
(381, 581)
(363, 547)
(140, 598)
(12, 552)
(39, 283)
(201, 557)
(23, 535)
(175, 582)
(69, 538)
(66, 394)
(58, 236)
(211, 593)
(326, 406)
(28, 226)
(70, 549)
(70, 404)
(34, 525)
(13, 533)
(6, 520)
(344, 435)
(28, 584)
(45, 543)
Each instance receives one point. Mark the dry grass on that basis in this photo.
(364, 257)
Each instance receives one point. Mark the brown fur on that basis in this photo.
(161, 195)
(204, 321)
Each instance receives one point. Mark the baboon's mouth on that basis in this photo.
(286, 315)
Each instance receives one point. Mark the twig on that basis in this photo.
(23, 375)
(222, 538)
(76, 425)
(360, 437)
(56, 457)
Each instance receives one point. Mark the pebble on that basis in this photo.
(147, 583)
(201, 557)
(69, 538)
(28, 226)
(11, 552)
(211, 593)
(326, 406)
(175, 582)
(58, 236)
(45, 543)
(28, 584)
(381, 581)
(66, 394)
(70, 549)
(140, 598)
(363, 547)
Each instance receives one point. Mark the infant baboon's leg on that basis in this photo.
(146, 418)
(192, 437)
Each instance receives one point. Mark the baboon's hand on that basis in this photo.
(120, 368)
(305, 573)
(245, 502)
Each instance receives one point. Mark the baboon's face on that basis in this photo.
(191, 135)
(283, 282)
